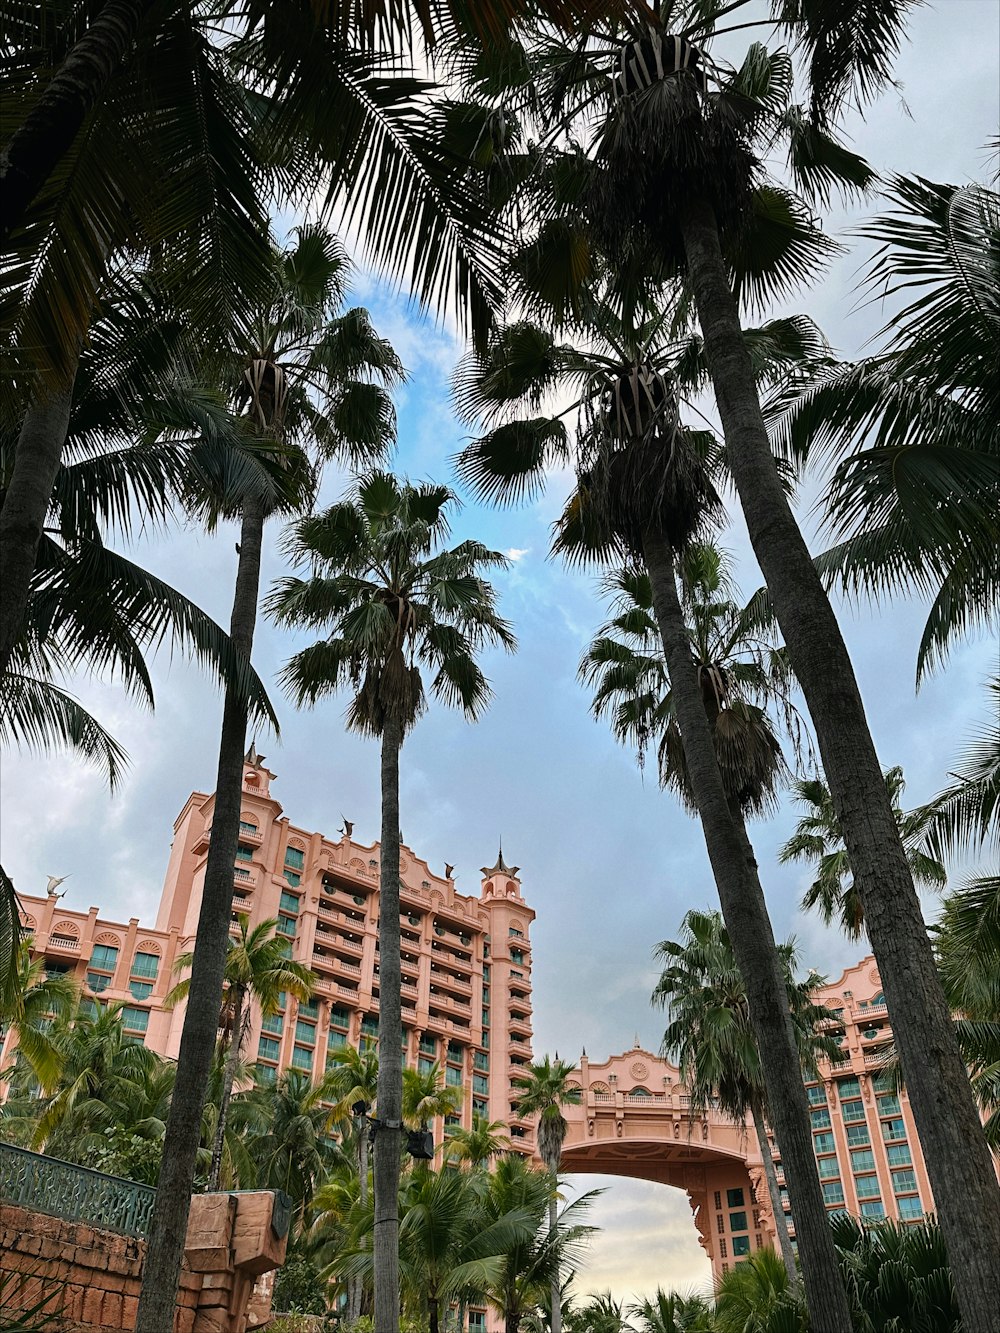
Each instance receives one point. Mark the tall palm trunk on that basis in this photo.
(951, 1135)
(201, 1017)
(555, 1288)
(356, 1284)
(228, 1078)
(25, 504)
(774, 1193)
(389, 1102)
(749, 927)
(433, 1324)
(54, 121)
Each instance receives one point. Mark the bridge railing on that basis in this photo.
(75, 1193)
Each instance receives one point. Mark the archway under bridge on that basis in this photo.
(634, 1119)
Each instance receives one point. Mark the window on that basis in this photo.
(723, 1247)
(145, 965)
(518, 934)
(244, 853)
(852, 1111)
(479, 1106)
(718, 1198)
(893, 1129)
(883, 1083)
(265, 1074)
(339, 1018)
(135, 1020)
(737, 1222)
(816, 1095)
(267, 1049)
(486, 995)
(517, 956)
(428, 1044)
(863, 1160)
(828, 1168)
(334, 1042)
(480, 1084)
(741, 1246)
(874, 1209)
(480, 1060)
(369, 1025)
(305, 1032)
(452, 1077)
(904, 1182)
(477, 1320)
(424, 1066)
(888, 1105)
(820, 1119)
(104, 957)
(720, 1224)
(823, 1143)
(293, 879)
(848, 1087)
(97, 983)
(247, 827)
(295, 858)
(734, 1198)
(833, 1192)
(286, 925)
(285, 948)
(867, 1187)
(857, 1135)
(910, 1208)
(783, 1191)
(288, 902)
(141, 990)
(309, 1008)
(486, 1018)
(899, 1154)
(302, 1057)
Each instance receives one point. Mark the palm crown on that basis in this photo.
(393, 601)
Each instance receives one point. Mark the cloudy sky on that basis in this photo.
(608, 861)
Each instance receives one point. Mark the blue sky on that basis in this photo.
(609, 862)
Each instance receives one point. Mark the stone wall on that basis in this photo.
(97, 1273)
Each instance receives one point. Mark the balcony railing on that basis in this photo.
(75, 1193)
(64, 942)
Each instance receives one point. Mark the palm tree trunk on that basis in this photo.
(390, 1039)
(951, 1133)
(774, 1193)
(555, 1289)
(356, 1290)
(54, 121)
(432, 1314)
(749, 927)
(173, 1197)
(22, 518)
(228, 1078)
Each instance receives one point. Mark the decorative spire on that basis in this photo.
(251, 757)
(501, 867)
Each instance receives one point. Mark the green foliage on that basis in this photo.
(298, 1288)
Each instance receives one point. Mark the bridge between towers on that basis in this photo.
(635, 1119)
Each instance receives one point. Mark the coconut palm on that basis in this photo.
(544, 1090)
(37, 997)
(426, 1096)
(898, 1275)
(479, 1144)
(819, 839)
(352, 1081)
(297, 1149)
(390, 599)
(680, 171)
(758, 1294)
(669, 1312)
(711, 1038)
(917, 422)
(257, 972)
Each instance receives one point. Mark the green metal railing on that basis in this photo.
(75, 1193)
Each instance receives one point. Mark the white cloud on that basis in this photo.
(515, 554)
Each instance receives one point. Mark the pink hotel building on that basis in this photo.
(467, 987)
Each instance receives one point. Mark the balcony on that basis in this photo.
(518, 1044)
(251, 833)
(342, 942)
(876, 1059)
(344, 989)
(243, 878)
(63, 944)
(352, 969)
(407, 989)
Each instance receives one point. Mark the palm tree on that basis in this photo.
(917, 420)
(37, 997)
(426, 1096)
(711, 1038)
(522, 1285)
(898, 1274)
(390, 599)
(301, 372)
(297, 1150)
(758, 1294)
(257, 971)
(545, 1090)
(629, 425)
(352, 1081)
(819, 838)
(675, 171)
(478, 1145)
(669, 1312)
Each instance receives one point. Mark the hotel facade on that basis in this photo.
(467, 1005)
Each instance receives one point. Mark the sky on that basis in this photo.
(609, 862)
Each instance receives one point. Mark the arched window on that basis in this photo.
(640, 1092)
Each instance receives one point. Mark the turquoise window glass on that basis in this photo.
(104, 957)
(295, 858)
(145, 965)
